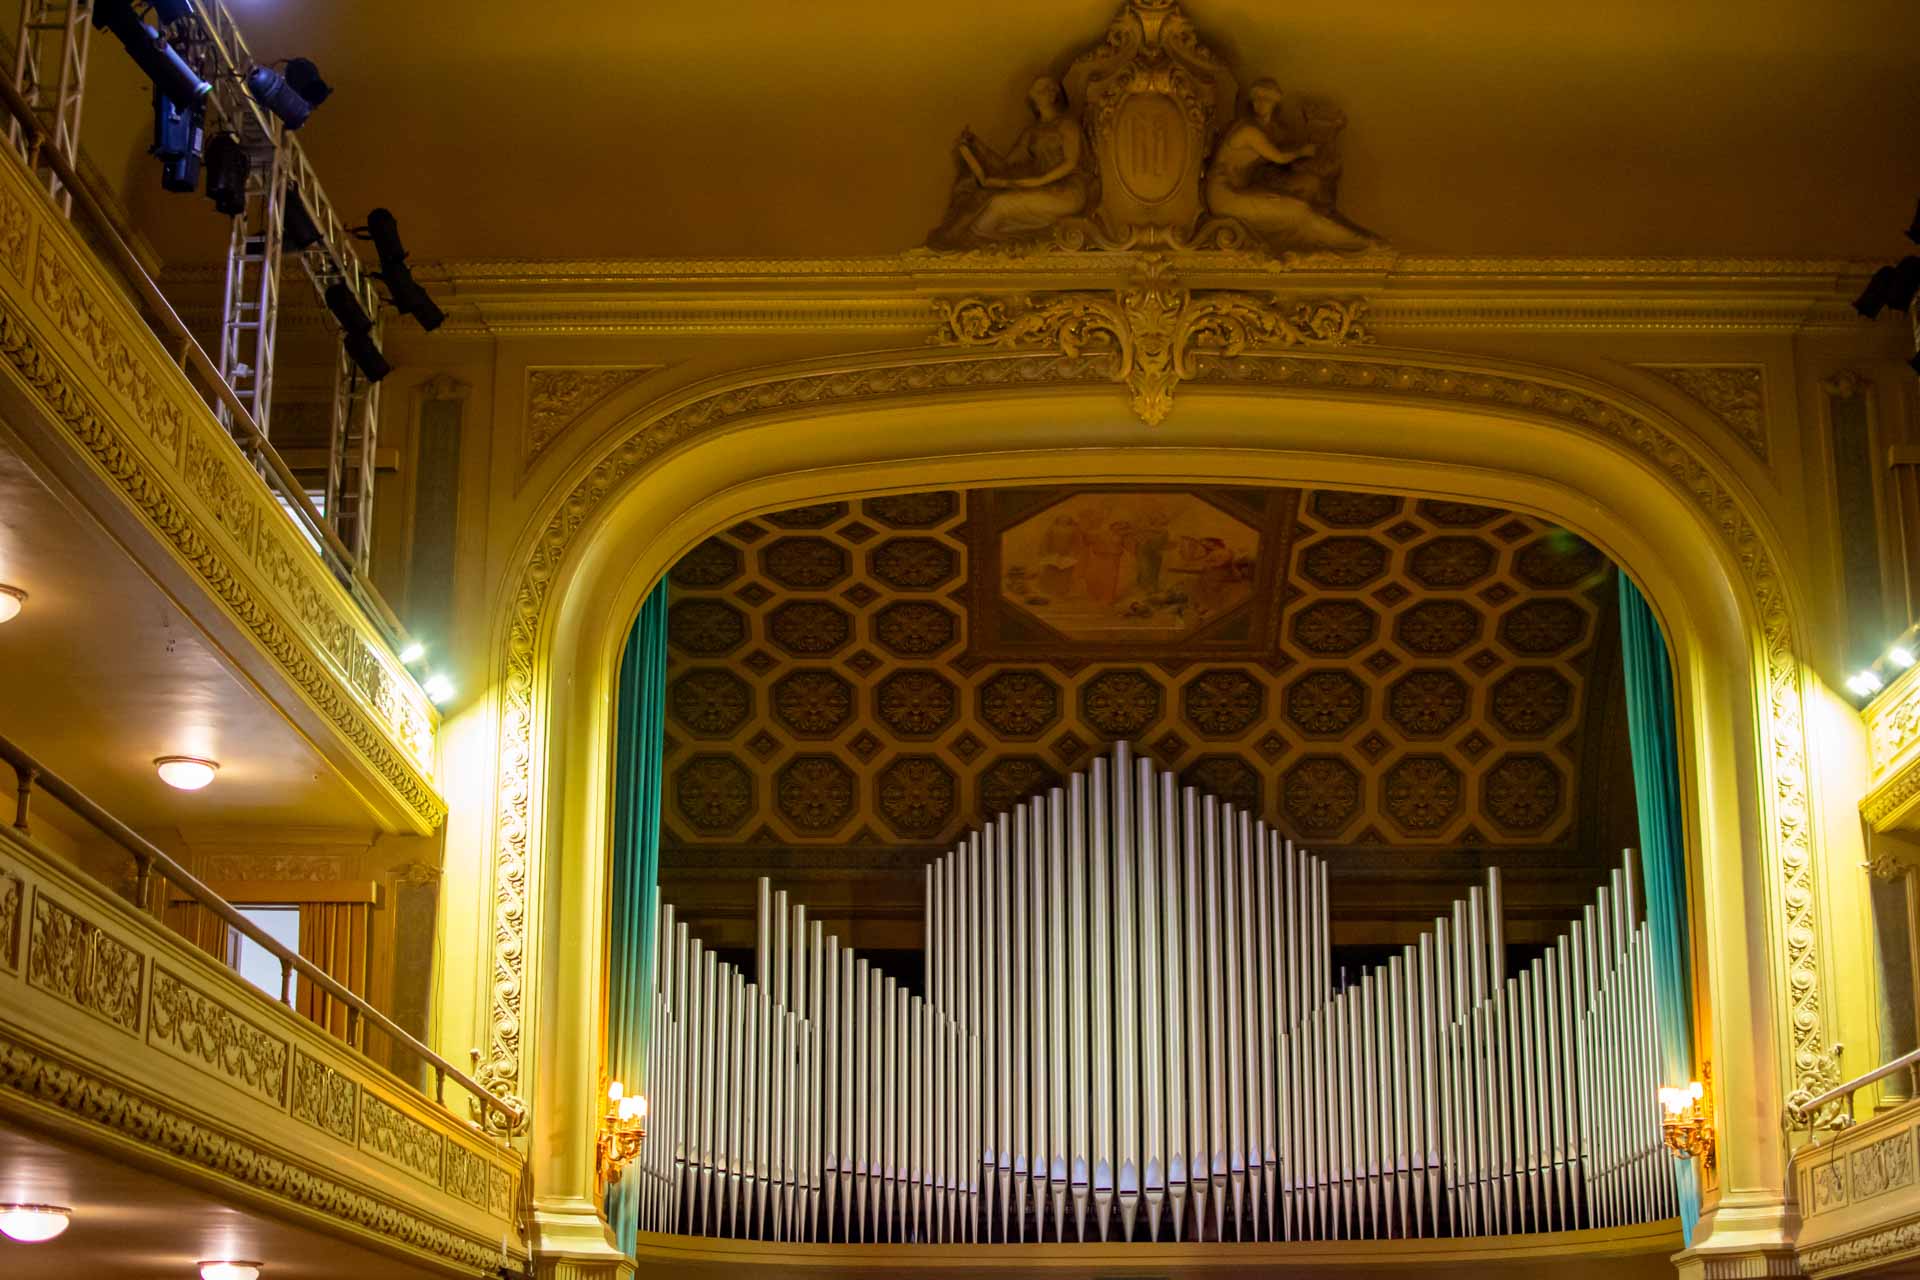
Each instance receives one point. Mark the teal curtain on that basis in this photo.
(639, 731)
(1654, 732)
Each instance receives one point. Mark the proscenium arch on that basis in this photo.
(1635, 484)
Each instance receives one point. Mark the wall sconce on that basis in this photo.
(1686, 1122)
(621, 1131)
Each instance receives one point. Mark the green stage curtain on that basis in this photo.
(639, 730)
(1663, 851)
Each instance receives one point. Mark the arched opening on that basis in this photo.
(1618, 491)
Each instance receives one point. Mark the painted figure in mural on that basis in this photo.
(1268, 182)
(1047, 175)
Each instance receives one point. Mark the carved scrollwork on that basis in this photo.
(205, 1031)
(75, 959)
(1156, 328)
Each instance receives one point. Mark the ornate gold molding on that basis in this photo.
(1561, 401)
(90, 949)
(160, 448)
(557, 398)
(1733, 393)
(1156, 328)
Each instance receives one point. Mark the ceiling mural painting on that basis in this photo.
(1361, 668)
(1127, 572)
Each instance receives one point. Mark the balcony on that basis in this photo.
(1859, 1197)
(138, 1070)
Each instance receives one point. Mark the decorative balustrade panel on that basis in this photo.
(1131, 1030)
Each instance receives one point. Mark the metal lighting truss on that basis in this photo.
(250, 307)
(50, 70)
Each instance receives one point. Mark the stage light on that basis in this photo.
(227, 168)
(291, 96)
(152, 54)
(409, 298)
(304, 77)
(1890, 287)
(367, 356)
(298, 231)
(172, 11)
(347, 310)
(179, 136)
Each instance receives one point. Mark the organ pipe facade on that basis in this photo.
(1131, 1030)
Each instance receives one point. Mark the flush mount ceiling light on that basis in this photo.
(32, 1223)
(11, 598)
(186, 773)
(229, 1271)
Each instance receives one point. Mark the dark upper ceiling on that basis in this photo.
(766, 127)
(1361, 668)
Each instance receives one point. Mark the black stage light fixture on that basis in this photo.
(179, 137)
(346, 308)
(288, 96)
(366, 356)
(171, 11)
(227, 168)
(298, 232)
(409, 297)
(304, 77)
(152, 54)
(1913, 229)
(1893, 286)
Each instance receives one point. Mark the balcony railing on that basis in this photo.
(199, 367)
(153, 867)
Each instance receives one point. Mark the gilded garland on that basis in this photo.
(1156, 328)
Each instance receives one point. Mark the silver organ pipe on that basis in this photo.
(1130, 1014)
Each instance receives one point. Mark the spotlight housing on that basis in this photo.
(179, 138)
(409, 297)
(1893, 286)
(171, 11)
(227, 167)
(298, 231)
(33, 1223)
(347, 309)
(367, 356)
(304, 78)
(152, 54)
(271, 90)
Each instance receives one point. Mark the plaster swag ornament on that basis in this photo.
(1146, 142)
(1156, 329)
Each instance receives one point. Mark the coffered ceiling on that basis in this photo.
(1361, 668)
(583, 129)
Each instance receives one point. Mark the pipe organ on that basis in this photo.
(1131, 1030)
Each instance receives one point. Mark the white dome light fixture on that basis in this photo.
(11, 598)
(33, 1223)
(229, 1271)
(186, 773)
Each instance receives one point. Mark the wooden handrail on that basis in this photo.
(1804, 1112)
(149, 858)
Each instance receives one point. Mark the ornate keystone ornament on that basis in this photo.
(1156, 329)
(1146, 142)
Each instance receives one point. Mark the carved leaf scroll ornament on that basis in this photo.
(1156, 329)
